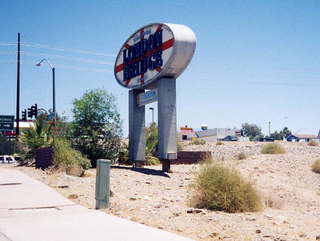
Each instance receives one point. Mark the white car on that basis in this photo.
(7, 159)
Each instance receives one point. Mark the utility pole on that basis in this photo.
(54, 91)
(18, 90)
(269, 128)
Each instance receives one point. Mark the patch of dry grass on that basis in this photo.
(198, 142)
(313, 143)
(272, 148)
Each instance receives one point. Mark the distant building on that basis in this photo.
(186, 133)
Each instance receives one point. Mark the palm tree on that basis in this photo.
(34, 138)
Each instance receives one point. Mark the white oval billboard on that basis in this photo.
(154, 51)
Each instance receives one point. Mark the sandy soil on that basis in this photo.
(290, 190)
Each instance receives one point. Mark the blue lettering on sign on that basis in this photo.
(142, 56)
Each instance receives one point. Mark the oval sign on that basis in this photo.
(154, 51)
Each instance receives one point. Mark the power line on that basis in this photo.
(29, 62)
(84, 60)
(80, 51)
(7, 44)
(92, 61)
(45, 46)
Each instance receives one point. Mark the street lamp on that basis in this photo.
(53, 86)
(152, 109)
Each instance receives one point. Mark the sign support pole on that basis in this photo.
(137, 139)
(167, 121)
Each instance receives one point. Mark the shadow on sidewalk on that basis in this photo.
(146, 171)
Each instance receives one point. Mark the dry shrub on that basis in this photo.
(220, 188)
(272, 148)
(198, 142)
(152, 160)
(241, 156)
(313, 143)
(219, 143)
(316, 166)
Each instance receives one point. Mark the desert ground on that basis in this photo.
(290, 190)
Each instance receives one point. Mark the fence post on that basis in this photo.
(103, 183)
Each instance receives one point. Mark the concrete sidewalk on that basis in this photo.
(32, 211)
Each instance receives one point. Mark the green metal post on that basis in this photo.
(103, 183)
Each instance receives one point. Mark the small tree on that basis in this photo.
(251, 130)
(285, 132)
(276, 135)
(96, 129)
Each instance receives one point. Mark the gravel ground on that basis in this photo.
(290, 190)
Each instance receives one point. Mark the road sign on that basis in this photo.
(154, 51)
(147, 97)
(6, 122)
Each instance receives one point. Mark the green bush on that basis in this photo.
(198, 142)
(219, 143)
(313, 143)
(272, 148)
(223, 189)
(316, 166)
(66, 156)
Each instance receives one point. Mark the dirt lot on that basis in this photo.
(286, 182)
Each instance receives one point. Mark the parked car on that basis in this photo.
(230, 138)
(7, 159)
(268, 139)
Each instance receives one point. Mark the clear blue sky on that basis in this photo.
(255, 61)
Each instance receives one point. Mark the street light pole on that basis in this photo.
(53, 87)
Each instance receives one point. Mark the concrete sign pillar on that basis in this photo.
(137, 139)
(167, 121)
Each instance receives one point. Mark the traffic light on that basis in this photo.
(35, 110)
(24, 115)
(30, 112)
